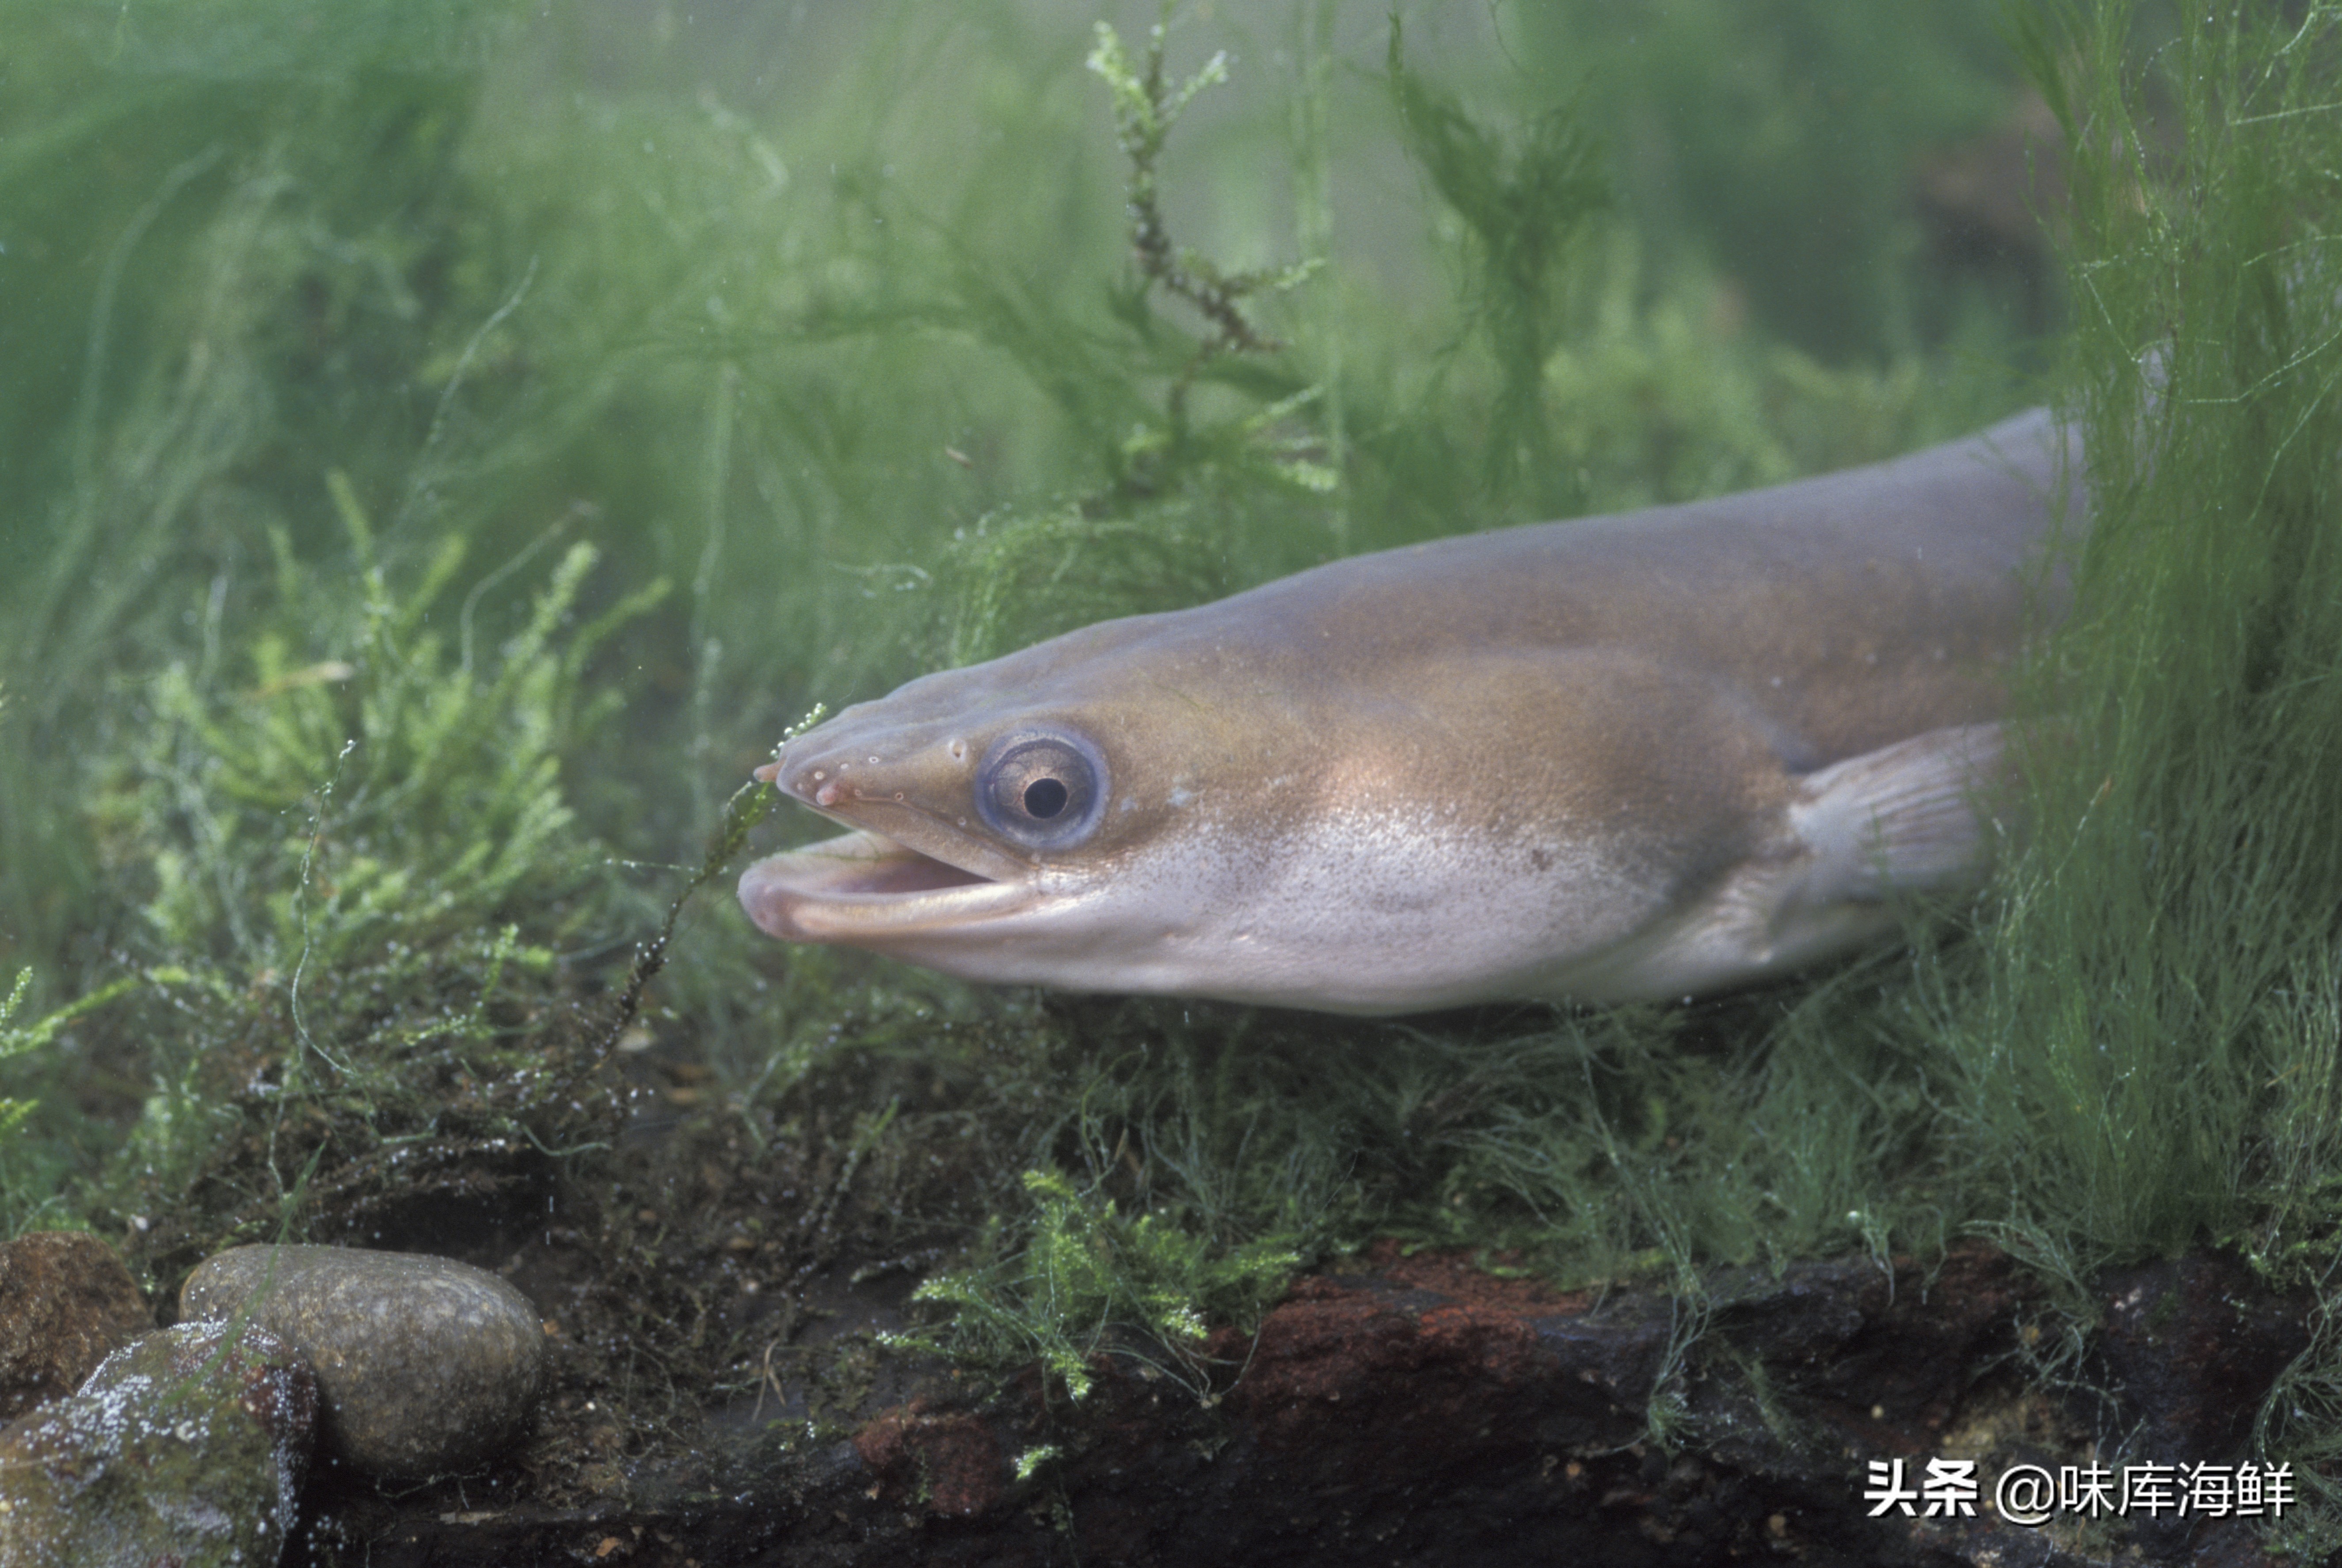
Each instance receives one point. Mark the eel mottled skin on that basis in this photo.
(1648, 755)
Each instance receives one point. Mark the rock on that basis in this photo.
(1422, 1350)
(189, 1447)
(423, 1364)
(66, 1304)
(2190, 1348)
(1412, 1409)
(952, 1462)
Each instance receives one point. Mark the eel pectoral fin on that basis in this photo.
(1904, 818)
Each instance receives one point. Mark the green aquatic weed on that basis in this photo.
(1089, 1280)
(1145, 107)
(359, 858)
(1526, 205)
(2142, 1057)
(14, 1042)
(1160, 535)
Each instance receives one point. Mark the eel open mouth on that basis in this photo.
(864, 888)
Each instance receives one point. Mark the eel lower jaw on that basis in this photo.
(864, 888)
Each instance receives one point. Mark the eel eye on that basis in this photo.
(1043, 789)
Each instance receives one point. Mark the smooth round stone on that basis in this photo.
(185, 1447)
(423, 1364)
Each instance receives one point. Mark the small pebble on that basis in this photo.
(66, 1304)
(424, 1365)
(188, 1447)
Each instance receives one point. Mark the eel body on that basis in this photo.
(1638, 756)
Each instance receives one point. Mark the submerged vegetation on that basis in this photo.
(449, 451)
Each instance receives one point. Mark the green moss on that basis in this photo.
(1085, 1281)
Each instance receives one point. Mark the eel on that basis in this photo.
(1641, 756)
